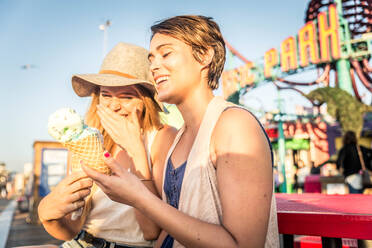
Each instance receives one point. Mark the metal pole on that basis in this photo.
(281, 145)
(281, 149)
(104, 28)
(343, 65)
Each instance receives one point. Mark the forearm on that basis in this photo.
(63, 228)
(187, 230)
(141, 164)
(149, 228)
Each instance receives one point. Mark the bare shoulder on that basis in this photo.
(244, 173)
(238, 123)
(238, 131)
(167, 132)
(163, 140)
(233, 116)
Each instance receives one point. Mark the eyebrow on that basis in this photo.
(158, 48)
(127, 93)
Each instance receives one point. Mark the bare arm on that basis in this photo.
(244, 175)
(55, 209)
(149, 228)
(126, 133)
(159, 149)
(139, 166)
(242, 157)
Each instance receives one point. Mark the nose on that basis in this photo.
(154, 65)
(115, 104)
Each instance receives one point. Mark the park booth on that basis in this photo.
(51, 161)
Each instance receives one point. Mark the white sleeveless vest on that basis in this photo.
(199, 196)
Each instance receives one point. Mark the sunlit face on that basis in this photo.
(121, 99)
(175, 70)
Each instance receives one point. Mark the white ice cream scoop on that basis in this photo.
(65, 124)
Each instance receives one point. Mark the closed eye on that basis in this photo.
(126, 97)
(166, 54)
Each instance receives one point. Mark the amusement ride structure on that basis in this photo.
(336, 39)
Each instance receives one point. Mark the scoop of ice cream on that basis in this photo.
(88, 131)
(65, 124)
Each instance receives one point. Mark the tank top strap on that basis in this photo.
(201, 144)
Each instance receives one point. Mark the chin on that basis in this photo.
(163, 98)
(167, 98)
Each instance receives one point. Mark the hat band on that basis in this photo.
(117, 73)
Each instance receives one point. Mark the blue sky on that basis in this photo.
(60, 38)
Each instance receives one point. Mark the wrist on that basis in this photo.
(136, 150)
(145, 199)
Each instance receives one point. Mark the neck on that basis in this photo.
(193, 108)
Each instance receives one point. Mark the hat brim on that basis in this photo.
(86, 84)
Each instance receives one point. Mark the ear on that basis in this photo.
(207, 57)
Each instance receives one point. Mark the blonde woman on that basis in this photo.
(123, 88)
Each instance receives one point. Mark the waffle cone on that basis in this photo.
(90, 150)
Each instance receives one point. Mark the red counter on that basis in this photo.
(334, 216)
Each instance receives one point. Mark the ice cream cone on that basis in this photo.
(85, 143)
(90, 150)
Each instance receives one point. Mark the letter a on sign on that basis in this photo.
(288, 56)
(270, 60)
(307, 44)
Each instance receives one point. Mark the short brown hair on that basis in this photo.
(200, 33)
(150, 118)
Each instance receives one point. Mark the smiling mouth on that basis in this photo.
(161, 79)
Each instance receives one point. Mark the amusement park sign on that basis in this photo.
(318, 41)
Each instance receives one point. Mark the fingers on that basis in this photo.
(105, 120)
(134, 117)
(112, 123)
(75, 176)
(80, 185)
(95, 175)
(103, 187)
(75, 206)
(112, 163)
(79, 195)
(107, 114)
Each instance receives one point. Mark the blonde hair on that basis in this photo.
(150, 119)
(201, 33)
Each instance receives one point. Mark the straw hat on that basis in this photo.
(125, 64)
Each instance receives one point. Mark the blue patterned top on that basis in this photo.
(172, 188)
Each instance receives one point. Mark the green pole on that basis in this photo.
(281, 145)
(281, 150)
(343, 65)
